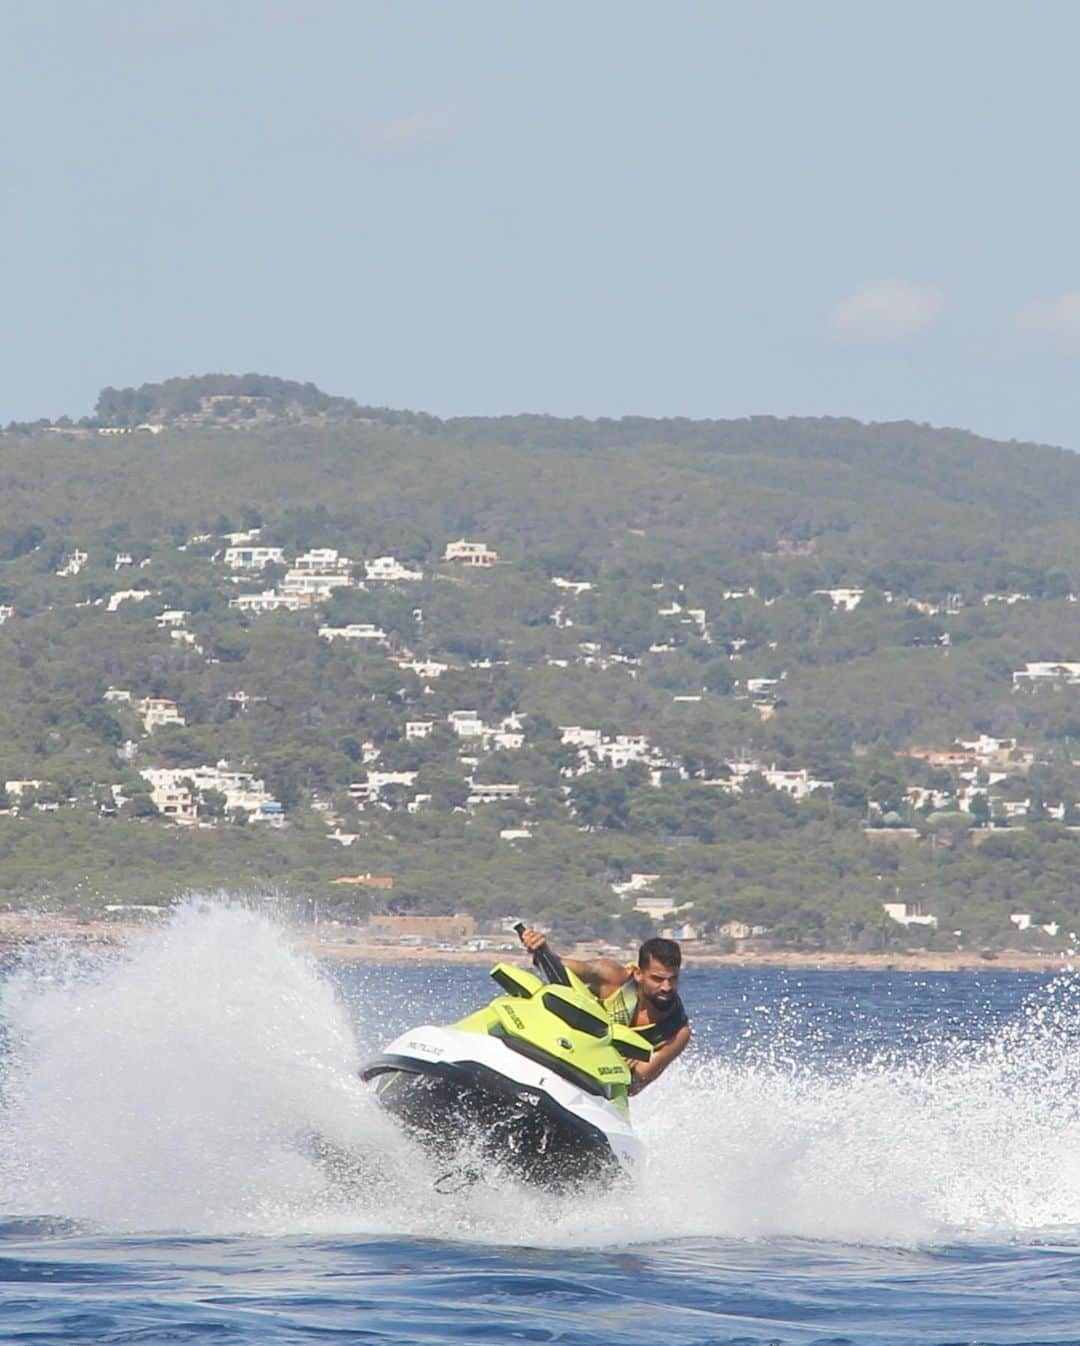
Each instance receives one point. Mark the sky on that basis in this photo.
(582, 207)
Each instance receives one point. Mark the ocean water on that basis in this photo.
(840, 1158)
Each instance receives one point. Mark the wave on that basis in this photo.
(204, 1080)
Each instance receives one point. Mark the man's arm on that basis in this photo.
(602, 976)
(647, 1071)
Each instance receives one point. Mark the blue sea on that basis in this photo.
(841, 1157)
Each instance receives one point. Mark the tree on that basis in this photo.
(633, 927)
(716, 676)
(141, 805)
(448, 790)
(212, 804)
(601, 799)
(980, 810)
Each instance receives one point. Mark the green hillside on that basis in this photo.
(689, 634)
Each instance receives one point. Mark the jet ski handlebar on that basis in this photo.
(547, 962)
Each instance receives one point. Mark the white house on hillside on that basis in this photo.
(466, 723)
(322, 561)
(470, 553)
(1047, 673)
(492, 794)
(73, 564)
(270, 601)
(576, 736)
(906, 913)
(124, 596)
(388, 568)
(171, 791)
(253, 558)
(798, 784)
(622, 750)
(315, 583)
(846, 600)
(361, 631)
(157, 711)
(423, 668)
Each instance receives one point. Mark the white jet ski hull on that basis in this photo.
(446, 1085)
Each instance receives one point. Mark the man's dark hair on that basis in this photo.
(665, 951)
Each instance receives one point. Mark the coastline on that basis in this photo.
(1007, 960)
(20, 930)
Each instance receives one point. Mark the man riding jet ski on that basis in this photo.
(536, 1083)
(644, 996)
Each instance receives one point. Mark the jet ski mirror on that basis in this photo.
(630, 1044)
(517, 981)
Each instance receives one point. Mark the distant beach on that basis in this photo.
(342, 945)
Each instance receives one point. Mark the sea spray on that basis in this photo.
(964, 1140)
(205, 1079)
(180, 1083)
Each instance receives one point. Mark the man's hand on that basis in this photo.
(644, 1072)
(534, 940)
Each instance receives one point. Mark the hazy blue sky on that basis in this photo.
(854, 207)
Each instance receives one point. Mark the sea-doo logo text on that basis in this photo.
(611, 1070)
(514, 1019)
(565, 1044)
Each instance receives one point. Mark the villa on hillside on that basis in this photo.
(125, 596)
(388, 568)
(315, 583)
(909, 913)
(253, 558)
(322, 561)
(466, 723)
(157, 711)
(176, 790)
(492, 794)
(1050, 673)
(470, 553)
(72, 564)
(364, 631)
(843, 600)
(271, 601)
(423, 668)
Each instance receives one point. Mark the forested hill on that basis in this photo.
(859, 495)
(719, 605)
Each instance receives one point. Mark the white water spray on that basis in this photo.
(984, 1144)
(173, 1086)
(168, 1088)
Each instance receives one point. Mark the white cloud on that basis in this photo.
(422, 127)
(1056, 320)
(887, 310)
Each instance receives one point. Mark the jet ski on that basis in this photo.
(535, 1085)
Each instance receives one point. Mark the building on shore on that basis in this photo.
(437, 928)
